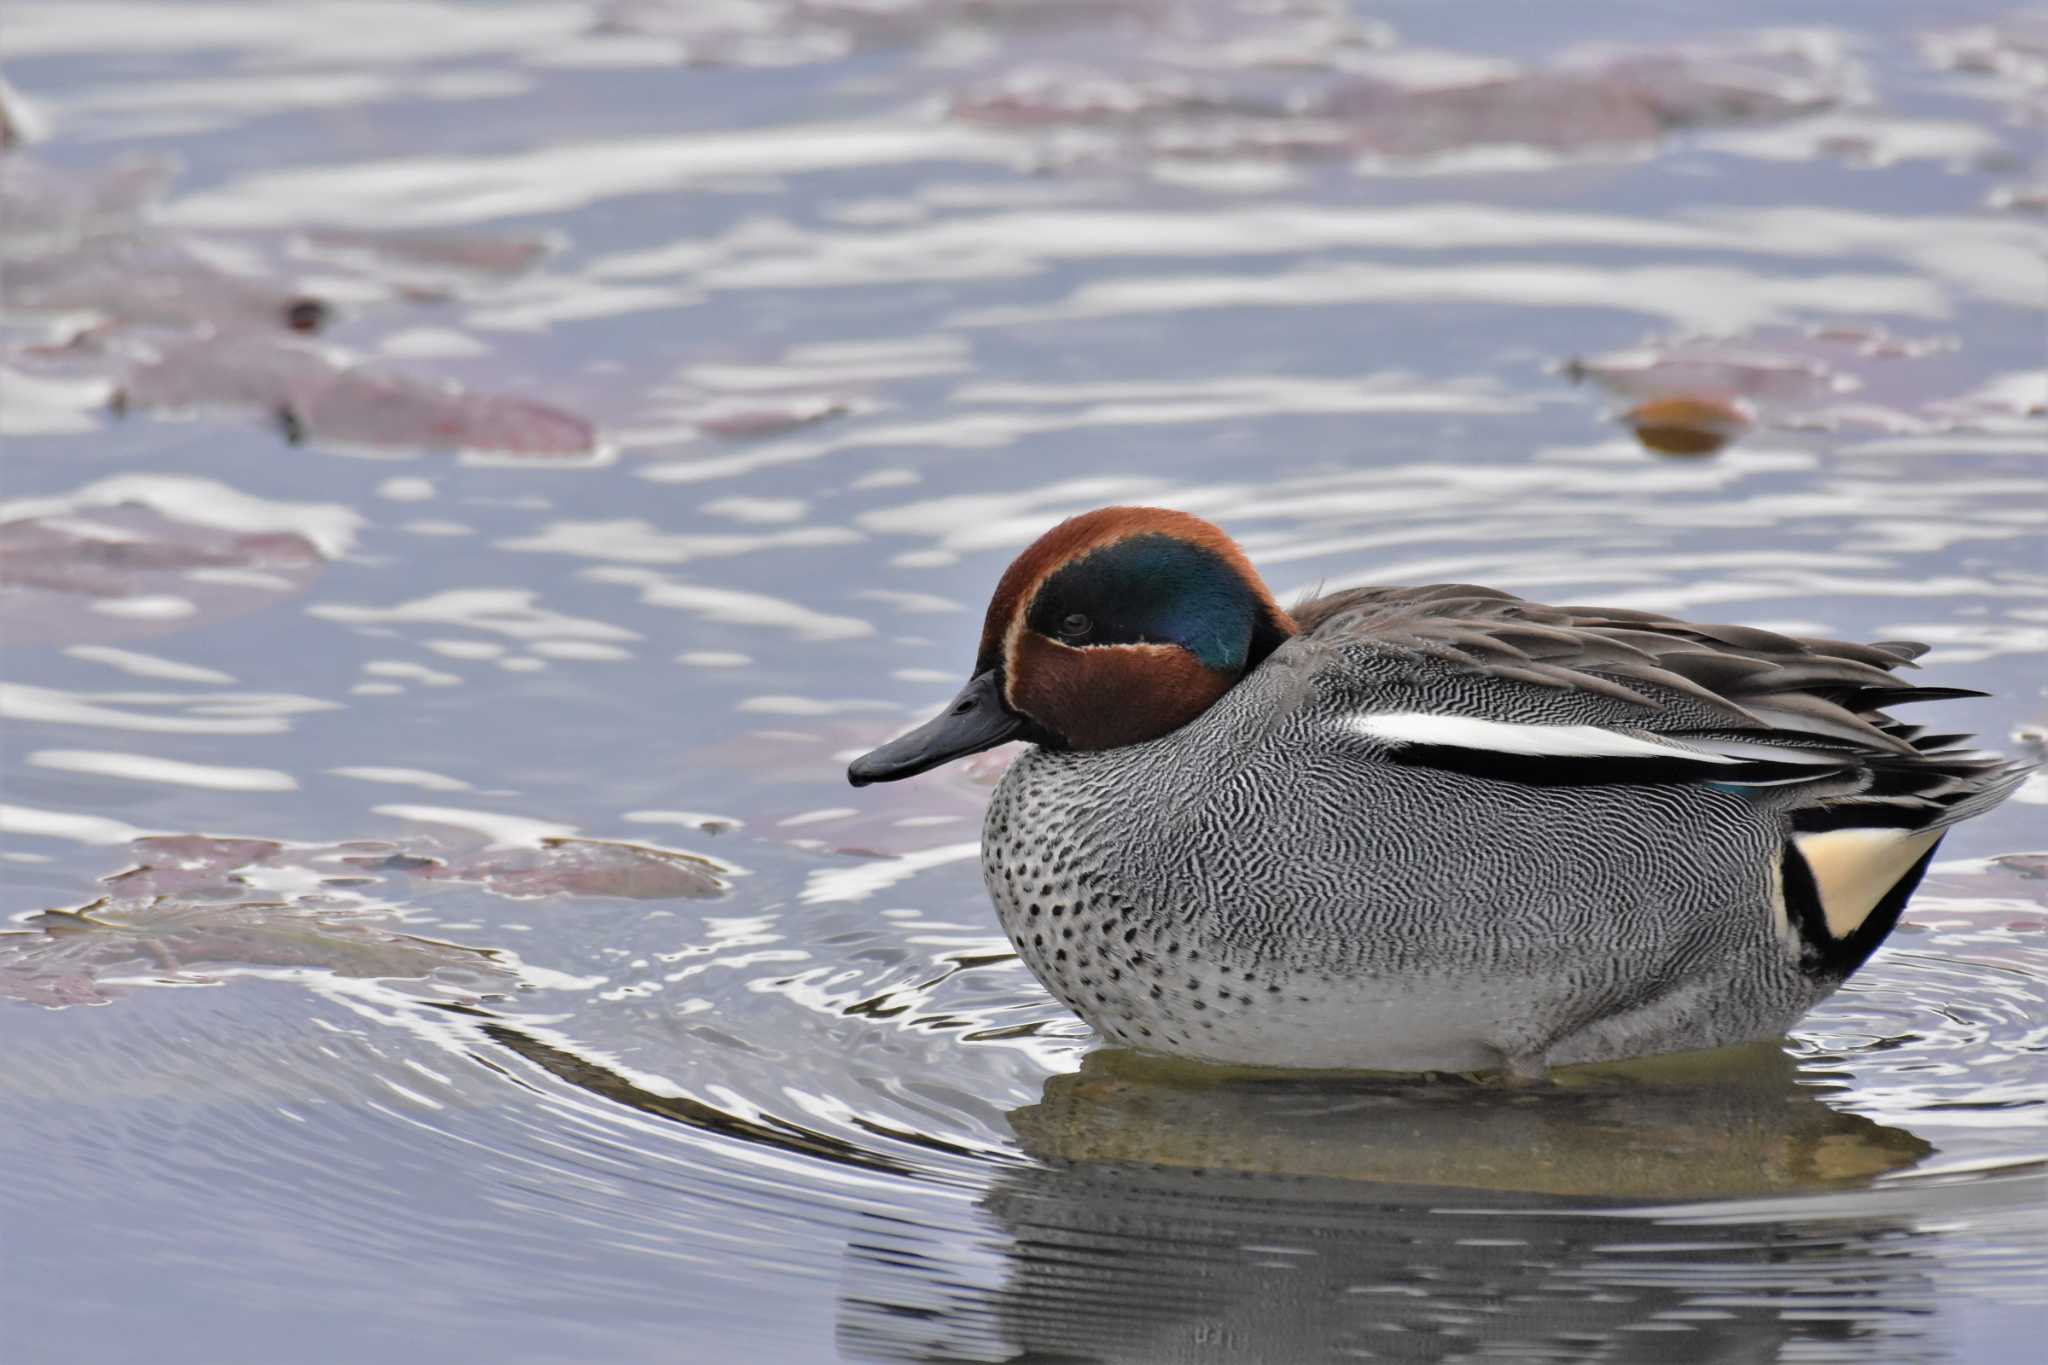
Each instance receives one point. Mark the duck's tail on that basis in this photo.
(1853, 859)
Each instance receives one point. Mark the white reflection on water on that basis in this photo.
(404, 777)
(733, 606)
(315, 33)
(142, 768)
(859, 883)
(148, 665)
(502, 611)
(209, 713)
(1699, 298)
(634, 541)
(442, 191)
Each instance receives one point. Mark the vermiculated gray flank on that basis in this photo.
(1273, 884)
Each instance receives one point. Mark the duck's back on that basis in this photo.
(1446, 828)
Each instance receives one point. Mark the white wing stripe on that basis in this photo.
(1756, 751)
(1501, 737)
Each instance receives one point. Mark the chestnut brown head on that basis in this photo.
(1115, 627)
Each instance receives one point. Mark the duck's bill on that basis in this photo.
(973, 721)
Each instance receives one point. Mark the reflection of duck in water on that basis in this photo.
(1429, 828)
(1189, 1217)
(1730, 1124)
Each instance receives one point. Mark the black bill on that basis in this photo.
(975, 720)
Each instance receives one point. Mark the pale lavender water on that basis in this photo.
(859, 299)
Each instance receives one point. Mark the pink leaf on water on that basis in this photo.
(321, 398)
(143, 573)
(570, 867)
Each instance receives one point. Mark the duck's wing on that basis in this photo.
(1479, 681)
(1475, 681)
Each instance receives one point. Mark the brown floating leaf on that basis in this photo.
(1688, 424)
(321, 398)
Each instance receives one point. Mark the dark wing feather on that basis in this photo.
(1706, 684)
(1754, 680)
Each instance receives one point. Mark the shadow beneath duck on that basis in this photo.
(1183, 1214)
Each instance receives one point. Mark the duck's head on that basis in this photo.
(1115, 627)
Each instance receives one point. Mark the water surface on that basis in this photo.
(439, 927)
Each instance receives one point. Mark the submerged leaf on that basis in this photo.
(1587, 101)
(153, 281)
(65, 957)
(462, 252)
(571, 867)
(142, 571)
(45, 208)
(321, 398)
(195, 906)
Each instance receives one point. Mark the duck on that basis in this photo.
(1429, 829)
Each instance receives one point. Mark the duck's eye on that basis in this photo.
(1075, 626)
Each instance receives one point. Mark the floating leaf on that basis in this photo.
(1552, 112)
(569, 867)
(188, 865)
(147, 573)
(188, 911)
(1590, 100)
(319, 397)
(1689, 424)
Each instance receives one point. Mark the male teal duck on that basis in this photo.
(1431, 828)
